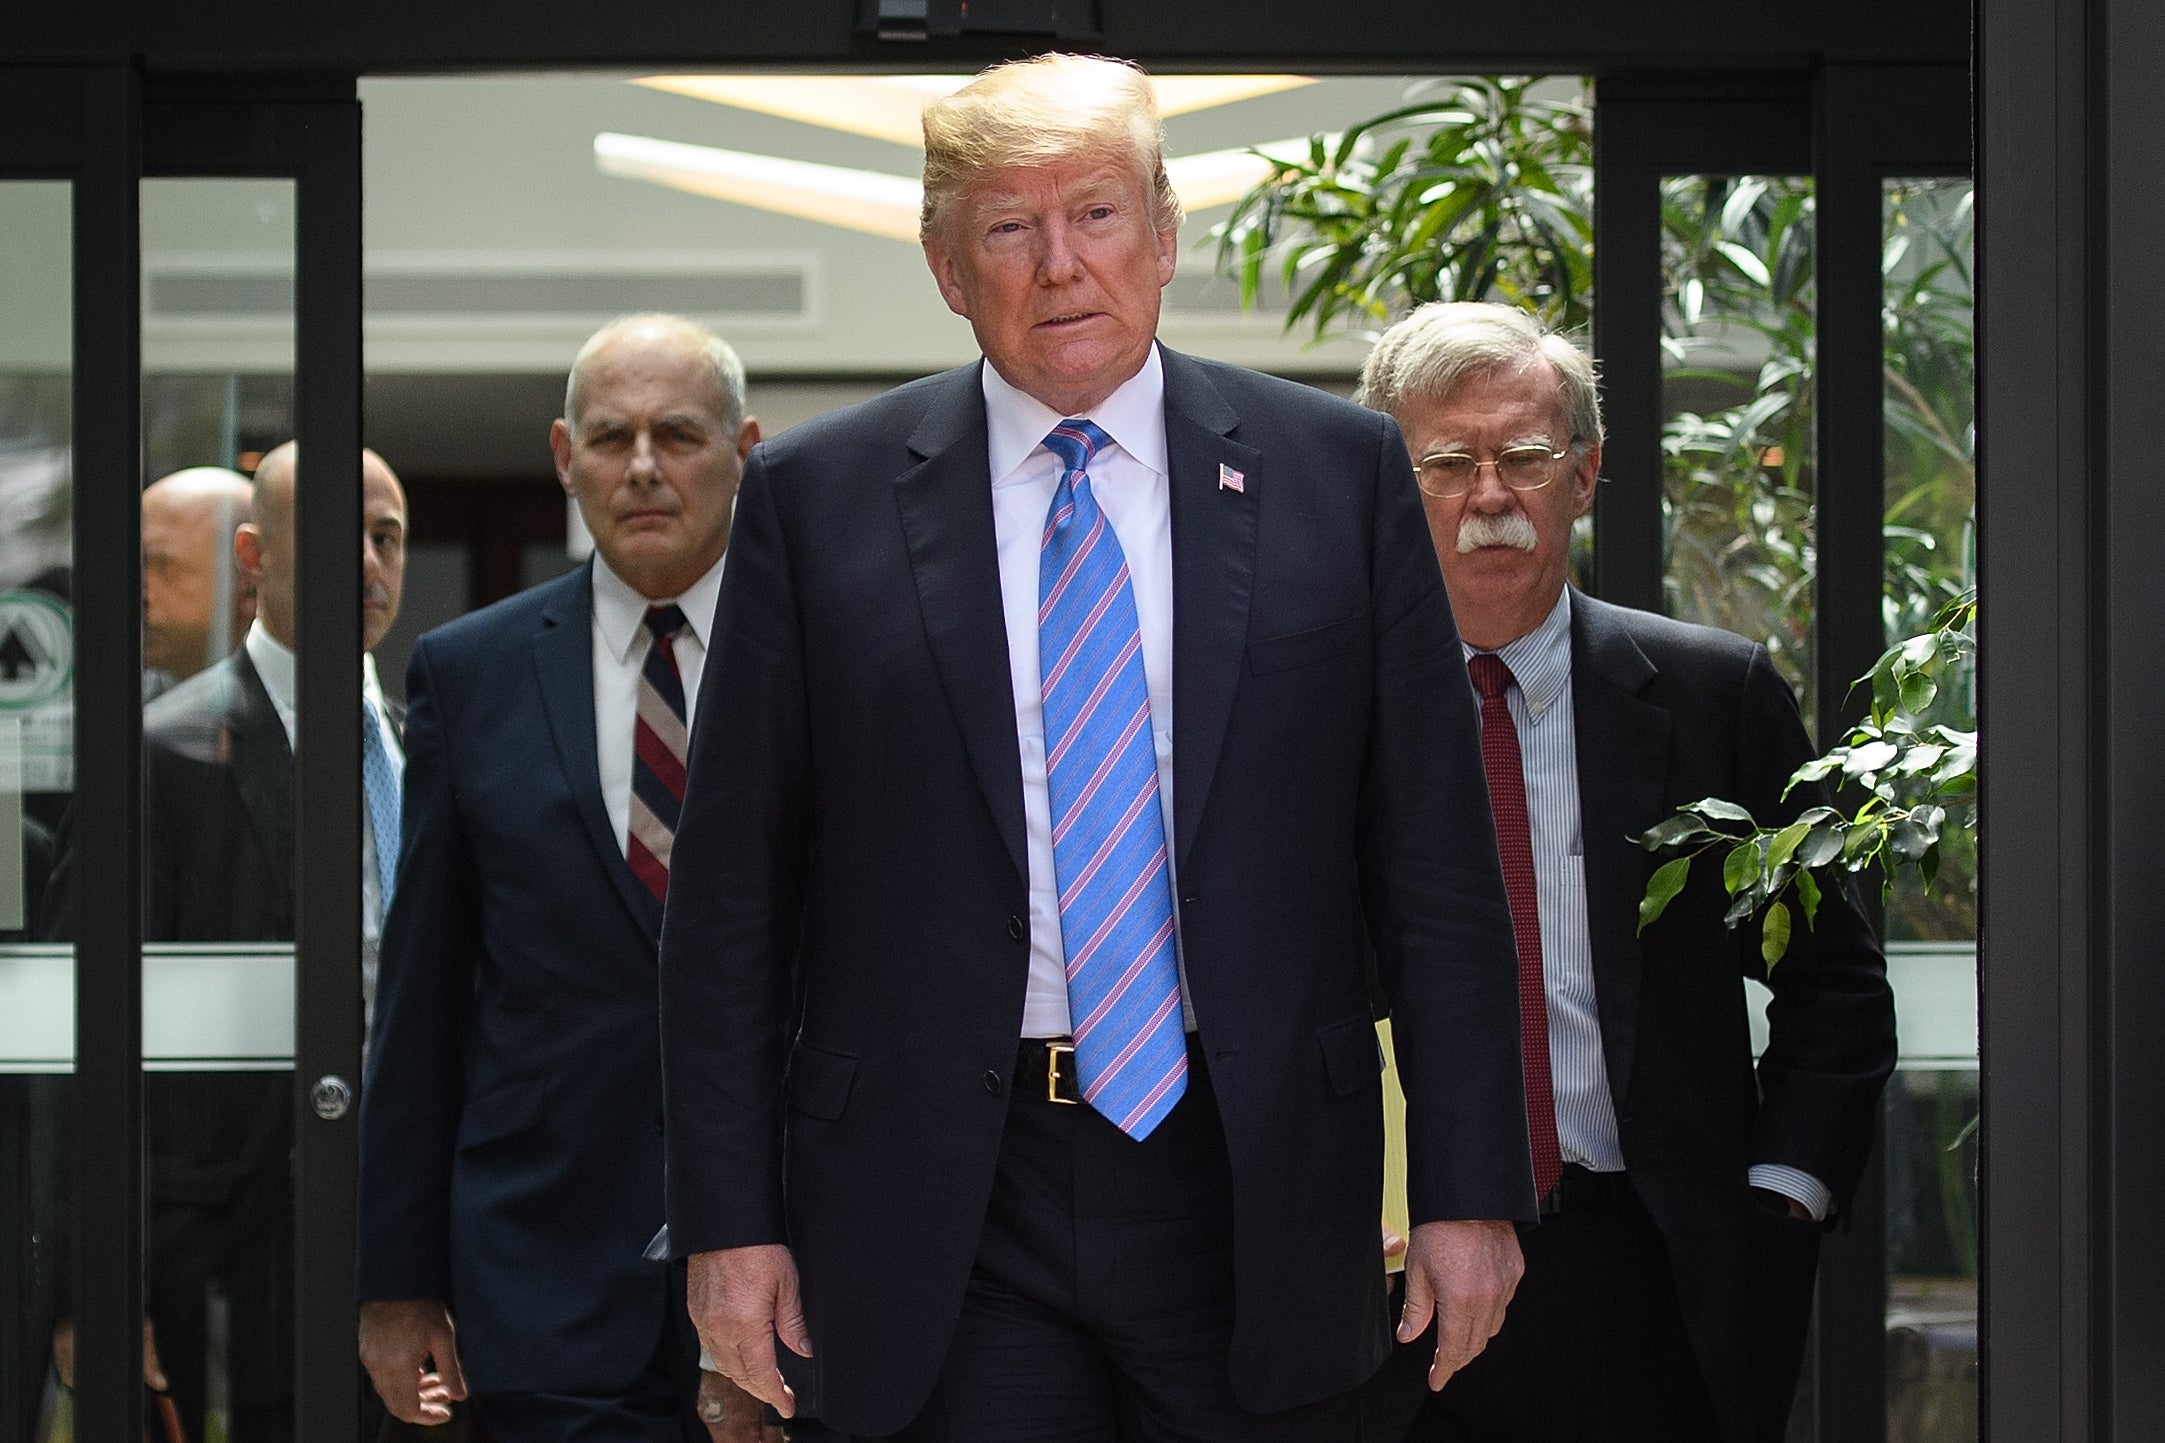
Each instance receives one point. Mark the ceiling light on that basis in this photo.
(887, 107)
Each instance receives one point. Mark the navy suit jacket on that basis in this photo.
(1668, 713)
(511, 1117)
(845, 958)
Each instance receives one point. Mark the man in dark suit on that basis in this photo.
(511, 1118)
(1007, 662)
(1669, 1282)
(218, 867)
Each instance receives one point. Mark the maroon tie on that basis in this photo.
(1514, 842)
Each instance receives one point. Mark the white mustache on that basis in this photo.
(1510, 529)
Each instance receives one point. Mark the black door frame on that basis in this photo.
(106, 129)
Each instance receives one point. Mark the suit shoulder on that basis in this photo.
(519, 614)
(882, 421)
(1260, 396)
(195, 705)
(1666, 640)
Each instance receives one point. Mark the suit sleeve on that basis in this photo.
(1831, 1037)
(1432, 886)
(737, 880)
(414, 1089)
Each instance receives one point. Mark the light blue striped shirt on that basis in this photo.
(1540, 706)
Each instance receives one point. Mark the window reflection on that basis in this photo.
(37, 1011)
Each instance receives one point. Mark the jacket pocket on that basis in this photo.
(1351, 1054)
(1302, 648)
(820, 1081)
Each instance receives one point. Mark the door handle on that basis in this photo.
(330, 1097)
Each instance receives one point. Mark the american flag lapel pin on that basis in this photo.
(1231, 480)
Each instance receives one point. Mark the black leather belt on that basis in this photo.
(1580, 1188)
(1045, 1070)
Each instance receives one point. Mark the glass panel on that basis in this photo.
(1737, 339)
(1931, 512)
(37, 775)
(218, 803)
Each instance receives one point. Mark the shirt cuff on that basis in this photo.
(1794, 1183)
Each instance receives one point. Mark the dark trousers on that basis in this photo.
(1592, 1350)
(1100, 1309)
(659, 1406)
(244, 1247)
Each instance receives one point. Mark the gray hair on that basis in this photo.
(1041, 111)
(1441, 344)
(719, 356)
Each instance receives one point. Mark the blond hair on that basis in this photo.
(1041, 111)
(1426, 355)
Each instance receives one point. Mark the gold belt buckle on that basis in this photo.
(1054, 1051)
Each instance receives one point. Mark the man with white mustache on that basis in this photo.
(1669, 1281)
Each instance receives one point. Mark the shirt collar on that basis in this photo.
(275, 663)
(620, 611)
(1017, 423)
(1540, 661)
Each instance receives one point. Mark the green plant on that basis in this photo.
(1483, 191)
(1916, 774)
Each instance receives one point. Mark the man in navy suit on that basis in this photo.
(1668, 1285)
(1019, 669)
(511, 1118)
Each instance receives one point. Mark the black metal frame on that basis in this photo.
(2072, 301)
(97, 127)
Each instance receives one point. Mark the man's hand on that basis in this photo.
(740, 1300)
(1463, 1273)
(64, 1356)
(411, 1352)
(1394, 1247)
(730, 1414)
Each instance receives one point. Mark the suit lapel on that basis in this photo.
(945, 504)
(564, 667)
(262, 770)
(1623, 756)
(1214, 551)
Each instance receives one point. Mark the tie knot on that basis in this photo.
(1491, 677)
(665, 621)
(1075, 442)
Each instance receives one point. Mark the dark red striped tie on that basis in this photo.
(659, 744)
(1514, 842)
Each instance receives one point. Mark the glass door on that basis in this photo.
(180, 1006)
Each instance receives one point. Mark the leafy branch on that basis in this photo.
(1916, 776)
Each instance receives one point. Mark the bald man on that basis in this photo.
(220, 846)
(195, 603)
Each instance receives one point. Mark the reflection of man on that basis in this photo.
(194, 605)
(218, 822)
(940, 799)
(510, 1142)
(1668, 1284)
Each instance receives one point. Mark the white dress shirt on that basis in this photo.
(275, 664)
(1540, 706)
(621, 643)
(1130, 480)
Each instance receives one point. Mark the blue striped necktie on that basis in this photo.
(380, 790)
(1108, 835)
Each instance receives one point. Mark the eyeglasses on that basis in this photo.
(1448, 475)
